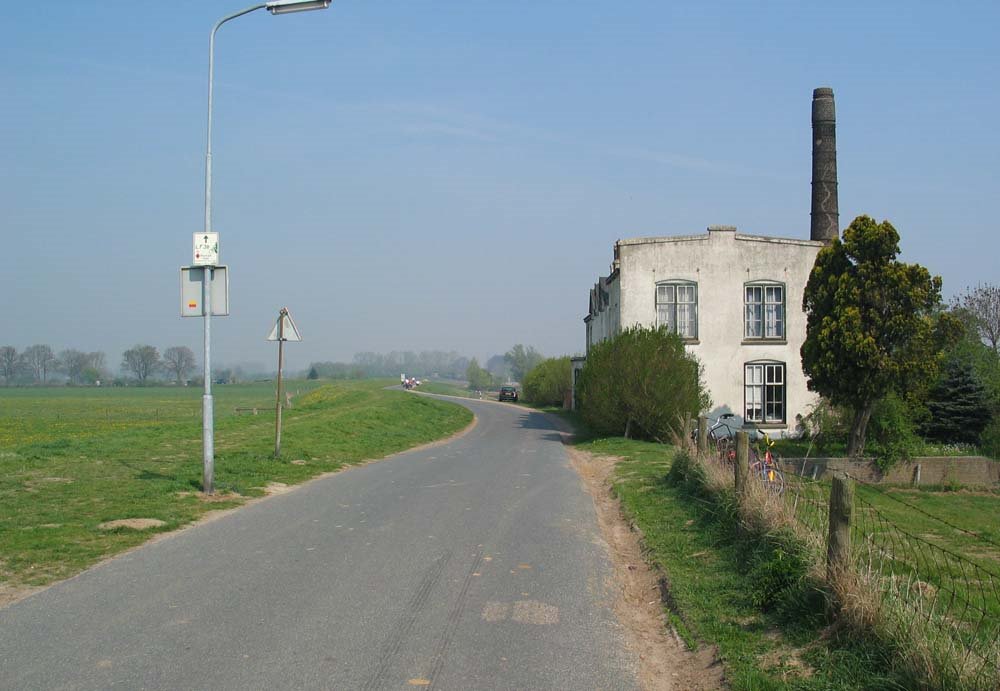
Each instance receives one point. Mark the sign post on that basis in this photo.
(205, 252)
(284, 330)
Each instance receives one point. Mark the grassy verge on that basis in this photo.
(446, 389)
(753, 598)
(71, 459)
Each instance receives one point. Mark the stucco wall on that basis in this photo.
(606, 323)
(721, 262)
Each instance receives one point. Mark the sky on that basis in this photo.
(408, 175)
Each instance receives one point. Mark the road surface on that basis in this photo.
(476, 564)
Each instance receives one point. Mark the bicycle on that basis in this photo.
(767, 467)
(724, 443)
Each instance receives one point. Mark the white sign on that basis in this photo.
(206, 249)
(285, 327)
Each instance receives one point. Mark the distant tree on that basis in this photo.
(498, 367)
(41, 361)
(74, 362)
(142, 361)
(521, 359)
(549, 382)
(8, 363)
(872, 323)
(478, 378)
(313, 373)
(959, 406)
(179, 361)
(982, 305)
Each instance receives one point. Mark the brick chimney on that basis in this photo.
(825, 215)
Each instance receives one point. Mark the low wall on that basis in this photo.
(936, 470)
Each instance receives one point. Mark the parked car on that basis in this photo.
(508, 393)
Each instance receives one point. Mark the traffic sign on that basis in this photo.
(284, 328)
(206, 249)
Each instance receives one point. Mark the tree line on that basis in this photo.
(39, 364)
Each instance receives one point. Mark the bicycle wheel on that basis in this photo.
(772, 478)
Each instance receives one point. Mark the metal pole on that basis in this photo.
(277, 408)
(208, 431)
(207, 408)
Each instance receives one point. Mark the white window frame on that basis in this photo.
(764, 311)
(765, 392)
(678, 315)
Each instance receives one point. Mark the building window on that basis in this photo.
(764, 310)
(677, 308)
(764, 392)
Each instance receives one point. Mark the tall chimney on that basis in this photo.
(825, 216)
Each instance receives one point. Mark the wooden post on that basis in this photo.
(702, 435)
(742, 466)
(838, 545)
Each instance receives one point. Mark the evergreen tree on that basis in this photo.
(959, 406)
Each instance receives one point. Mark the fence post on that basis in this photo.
(838, 544)
(742, 465)
(702, 435)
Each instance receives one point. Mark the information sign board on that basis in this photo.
(206, 249)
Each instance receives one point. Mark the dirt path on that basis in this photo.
(665, 663)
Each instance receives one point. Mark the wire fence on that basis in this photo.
(943, 605)
(938, 602)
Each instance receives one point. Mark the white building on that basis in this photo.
(735, 299)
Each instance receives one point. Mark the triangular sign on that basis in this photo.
(288, 330)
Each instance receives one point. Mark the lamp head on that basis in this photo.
(288, 6)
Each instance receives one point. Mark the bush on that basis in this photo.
(891, 434)
(549, 382)
(641, 383)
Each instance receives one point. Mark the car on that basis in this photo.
(508, 393)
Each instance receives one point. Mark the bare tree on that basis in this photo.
(8, 363)
(179, 361)
(97, 360)
(41, 360)
(74, 362)
(982, 304)
(142, 361)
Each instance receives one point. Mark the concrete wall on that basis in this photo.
(721, 262)
(962, 470)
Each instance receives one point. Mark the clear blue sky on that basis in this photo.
(412, 175)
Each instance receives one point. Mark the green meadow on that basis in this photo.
(72, 459)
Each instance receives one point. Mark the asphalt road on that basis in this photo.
(476, 564)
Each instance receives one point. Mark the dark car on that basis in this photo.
(508, 393)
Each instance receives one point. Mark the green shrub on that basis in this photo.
(891, 434)
(548, 382)
(989, 441)
(641, 383)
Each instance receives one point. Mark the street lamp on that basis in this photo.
(275, 7)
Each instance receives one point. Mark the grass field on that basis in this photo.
(71, 459)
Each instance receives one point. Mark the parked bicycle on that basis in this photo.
(722, 436)
(765, 465)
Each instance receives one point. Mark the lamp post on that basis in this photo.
(275, 7)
